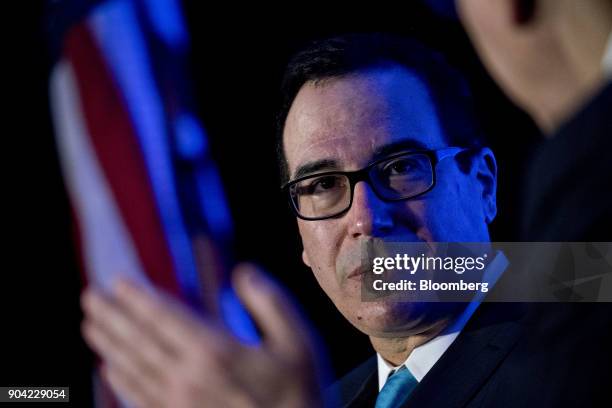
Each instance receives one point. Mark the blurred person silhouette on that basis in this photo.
(554, 59)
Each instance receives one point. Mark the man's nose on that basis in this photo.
(369, 215)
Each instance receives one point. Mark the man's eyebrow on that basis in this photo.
(398, 146)
(315, 166)
(379, 152)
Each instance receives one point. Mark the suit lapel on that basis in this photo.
(366, 393)
(471, 359)
(359, 388)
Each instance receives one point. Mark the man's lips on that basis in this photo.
(356, 273)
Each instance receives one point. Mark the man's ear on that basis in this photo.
(305, 258)
(485, 167)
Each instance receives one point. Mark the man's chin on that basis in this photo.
(399, 319)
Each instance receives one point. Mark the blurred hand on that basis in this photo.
(156, 353)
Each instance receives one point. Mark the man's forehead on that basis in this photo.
(350, 119)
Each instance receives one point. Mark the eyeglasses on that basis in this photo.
(394, 178)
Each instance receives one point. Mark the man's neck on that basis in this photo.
(395, 350)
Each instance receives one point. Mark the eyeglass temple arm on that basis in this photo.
(449, 152)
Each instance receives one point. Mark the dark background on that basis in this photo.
(237, 59)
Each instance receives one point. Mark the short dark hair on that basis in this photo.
(340, 56)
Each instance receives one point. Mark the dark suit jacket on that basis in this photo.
(532, 355)
(508, 355)
(569, 187)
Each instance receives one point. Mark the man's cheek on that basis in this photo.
(322, 265)
(321, 241)
(315, 238)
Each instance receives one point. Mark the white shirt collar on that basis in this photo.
(423, 357)
(606, 61)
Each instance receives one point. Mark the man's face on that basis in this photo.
(343, 124)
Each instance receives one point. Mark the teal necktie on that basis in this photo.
(396, 390)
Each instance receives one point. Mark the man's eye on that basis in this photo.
(324, 184)
(400, 167)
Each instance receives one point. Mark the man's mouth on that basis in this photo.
(356, 273)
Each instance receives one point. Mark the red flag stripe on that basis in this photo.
(113, 136)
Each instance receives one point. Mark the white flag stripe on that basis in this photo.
(108, 250)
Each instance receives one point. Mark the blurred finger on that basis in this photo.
(173, 322)
(284, 329)
(121, 358)
(128, 388)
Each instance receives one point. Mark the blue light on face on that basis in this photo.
(398, 108)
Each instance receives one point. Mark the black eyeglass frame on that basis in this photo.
(435, 156)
